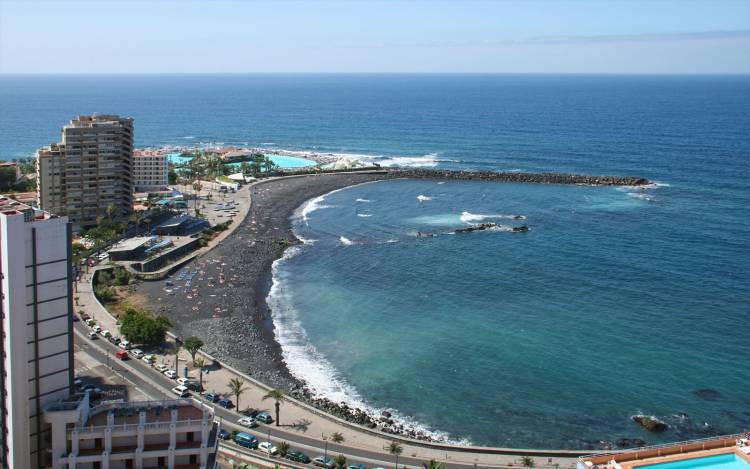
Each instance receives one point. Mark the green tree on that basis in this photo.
(278, 398)
(268, 165)
(7, 178)
(176, 352)
(245, 168)
(395, 448)
(527, 461)
(337, 437)
(122, 276)
(237, 388)
(432, 464)
(104, 293)
(136, 217)
(141, 327)
(111, 208)
(172, 177)
(283, 448)
(199, 363)
(340, 461)
(192, 344)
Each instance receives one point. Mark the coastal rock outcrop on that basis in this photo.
(707, 394)
(650, 423)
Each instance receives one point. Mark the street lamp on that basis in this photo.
(269, 442)
(325, 450)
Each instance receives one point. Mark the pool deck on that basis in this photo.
(688, 455)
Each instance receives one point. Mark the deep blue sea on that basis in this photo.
(618, 301)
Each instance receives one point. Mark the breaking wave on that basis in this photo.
(423, 198)
(467, 217)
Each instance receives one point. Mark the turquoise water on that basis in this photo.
(722, 461)
(177, 158)
(615, 303)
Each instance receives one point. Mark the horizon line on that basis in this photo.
(722, 73)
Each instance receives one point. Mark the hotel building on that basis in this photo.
(36, 328)
(176, 433)
(150, 171)
(89, 170)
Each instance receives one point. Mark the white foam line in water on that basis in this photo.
(364, 215)
(467, 217)
(423, 198)
(306, 363)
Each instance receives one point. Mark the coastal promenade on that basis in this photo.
(301, 422)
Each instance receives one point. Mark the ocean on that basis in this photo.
(617, 302)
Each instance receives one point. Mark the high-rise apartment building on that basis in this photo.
(37, 341)
(150, 171)
(90, 170)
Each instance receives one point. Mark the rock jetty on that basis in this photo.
(649, 423)
(533, 178)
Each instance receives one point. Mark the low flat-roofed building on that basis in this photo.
(131, 249)
(145, 434)
(181, 225)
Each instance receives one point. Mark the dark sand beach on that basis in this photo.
(225, 302)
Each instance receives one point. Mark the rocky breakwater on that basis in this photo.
(532, 178)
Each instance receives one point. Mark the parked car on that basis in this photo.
(224, 435)
(212, 397)
(322, 461)
(171, 374)
(105, 333)
(357, 466)
(226, 403)
(92, 335)
(150, 359)
(297, 456)
(97, 328)
(181, 391)
(184, 381)
(124, 344)
(162, 368)
(194, 386)
(76, 318)
(91, 323)
(122, 354)
(115, 340)
(245, 439)
(248, 422)
(137, 353)
(264, 417)
(269, 448)
(250, 412)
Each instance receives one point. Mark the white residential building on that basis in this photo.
(37, 340)
(120, 435)
(150, 171)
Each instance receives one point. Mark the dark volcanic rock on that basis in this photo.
(649, 423)
(707, 394)
(535, 178)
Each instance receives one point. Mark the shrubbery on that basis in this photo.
(142, 327)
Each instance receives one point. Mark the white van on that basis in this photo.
(124, 344)
(181, 391)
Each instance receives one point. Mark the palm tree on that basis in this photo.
(237, 387)
(337, 437)
(283, 448)
(111, 211)
(176, 351)
(340, 461)
(527, 461)
(278, 397)
(192, 344)
(432, 464)
(136, 218)
(395, 448)
(200, 363)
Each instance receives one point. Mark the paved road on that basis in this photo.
(158, 386)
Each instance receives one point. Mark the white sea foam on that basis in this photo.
(467, 217)
(189, 137)
(640, 195)
(441, 182)
(346, 241)
(364, 215)
(313, 205)
(427, 161)
(306, 363)
(423, 198)
(363, 200)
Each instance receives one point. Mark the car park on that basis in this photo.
(298, 456)
(269, 448)
(323, 461)
(248, 422)
(264, 417)
(181, 391)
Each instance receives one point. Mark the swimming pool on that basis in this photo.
(721, 461)
(283, 161)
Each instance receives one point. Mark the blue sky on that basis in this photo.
(183, 36)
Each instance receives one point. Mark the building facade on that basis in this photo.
(122, 435)
(150, 171)
(37, 339)
(89, 174)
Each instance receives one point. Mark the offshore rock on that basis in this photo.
(536, 178)
(649, 423)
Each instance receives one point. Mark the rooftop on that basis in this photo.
(12, 207)
(129, 413)
(131, 243)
